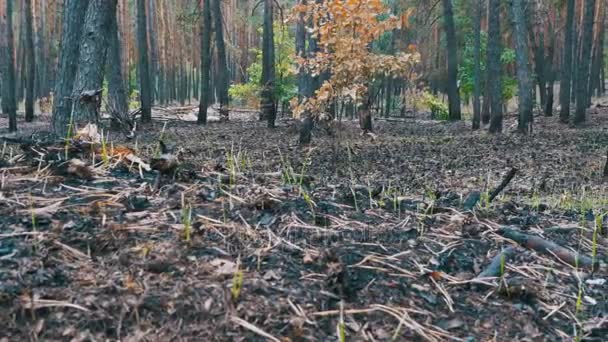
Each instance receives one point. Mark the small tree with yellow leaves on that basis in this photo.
(344, 31)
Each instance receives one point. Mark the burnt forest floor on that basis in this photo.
(383, 237)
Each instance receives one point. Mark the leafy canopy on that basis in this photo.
(344, 31)
(285, 83)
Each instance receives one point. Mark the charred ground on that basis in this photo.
(379, 223)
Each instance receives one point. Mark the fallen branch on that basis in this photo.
(494, 268)
(474, 197)
(503, 184)
(541, 245)
(243, 323)
(606, 166)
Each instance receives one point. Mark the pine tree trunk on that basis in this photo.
(550, 71)
(117, 94)
(91, 63)
(30, 63)
(222, 72)
(301, 50)
(523, 70)
(452, 86)
(576, 56)
(267, 102)
(9, 104)
(582, 82)
(477, 66)
(494, 66)
(151, 17)
(74, 12)
(145, 91)
(205, 63)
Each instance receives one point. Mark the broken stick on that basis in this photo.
(503, 184)
(550, 248)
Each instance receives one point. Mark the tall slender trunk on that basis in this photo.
(222, 72)
(91, 63)
(477, 66)
(583, 67)
(305, 79)
(268, 68)
(117, 94)
(151, 18)
(452, 86)
(74, 12)
(576, 56)
(9, 104)
(550, 72)
(523, 70)
(31, 63)
(205, 62)
(494, 66)
(564, 87)
(145, 91)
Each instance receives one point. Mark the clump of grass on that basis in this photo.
(484, 200)
(535, 200)
(341, 327)
(287, 173)
(69, 135)
(104, 150)
(237, 282)
(579, 298)
(186, 219)
(160, 138)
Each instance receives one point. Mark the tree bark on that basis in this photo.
(523, 70)
(452, 86)
(550, 72)
(582, 82)
(564, 91)
(30, 73)
(205, 63)
(9, 104)
(73, 19)
(268, 67)
(145, 91)
(222, 71)
(477, 66)
(91, 63)
(151, 18)
(494, 66)
(117, 94)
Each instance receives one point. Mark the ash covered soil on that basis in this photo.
(384, 235)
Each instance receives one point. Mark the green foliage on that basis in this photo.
(467, 67)
(438, 108)
(285, 82)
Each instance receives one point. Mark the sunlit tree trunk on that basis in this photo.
(74, 12)
(92, 60)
